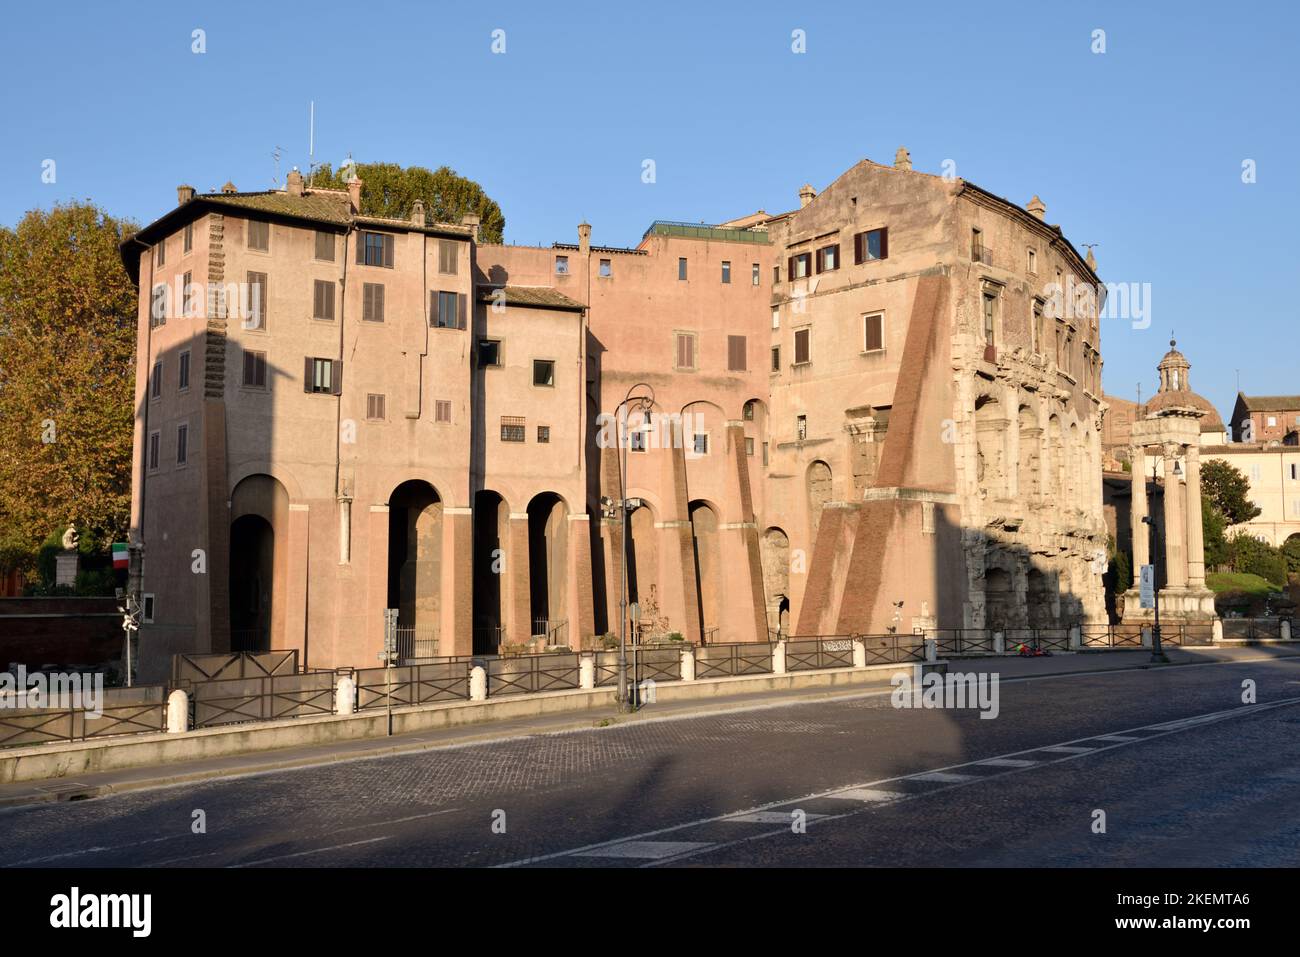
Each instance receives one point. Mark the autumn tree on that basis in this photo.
(389, 190)
(67, 347)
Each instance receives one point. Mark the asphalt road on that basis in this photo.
(1184, 771)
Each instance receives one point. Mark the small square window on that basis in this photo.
(606, 268)
(442, 410)
(561, 265)
(489, 353)
(259, 235)
(543, 434)
(726, 272)
(512, 428)
(376, 406)
(638, 441)
(544, 372)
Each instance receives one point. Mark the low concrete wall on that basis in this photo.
(134, 751)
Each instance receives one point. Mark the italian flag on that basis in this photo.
(121, 556)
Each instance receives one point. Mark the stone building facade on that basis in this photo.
(870, 413)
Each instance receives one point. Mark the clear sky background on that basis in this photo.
(1138, 150)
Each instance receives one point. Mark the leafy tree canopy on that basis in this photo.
(389, 190)
(1227, 490)
(67, 374)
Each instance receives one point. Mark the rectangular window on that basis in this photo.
(255, 309)
(976, 245)
(324, 246)
(489, 354)
(561, 269)
(637, 441)
(737, 354)
(183, 380)
(681, 268)
(749, 446)
(182, 444)
(874, 332)
(187, 295)
(801, 427)
(155, 381)
(254, 370)
(445, 310)
(776, 318)
(990, 312)
(702, 443)
(802, 344)
(871, 245)
(1037, 330)
(1295, 472)
(726, 272)
(800, 266)
(155, 443)
(148, 610)
(372, 302)
(754, 276)
(1272, 421)
(606, 269)
(776, 358)
(828, 258)
(543, 434)
(776, 275)
(764, 453)
(160, 254)
(685, 350)
(158, 306)
(323, 299)
(320, 377)
(544, 372)
(259, 235)
(448, 257)
(375, 249)
(1031, 264)
(375, 403)
(512, 428)
(187, 238)
(442, 410)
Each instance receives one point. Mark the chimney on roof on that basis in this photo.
(354, 193)
(293, 182)
(229, 187)
(584, 237)
(1036, 208)
(806, 195)
(184, 194)
(903, 159)
(472, 221)
(417, 212)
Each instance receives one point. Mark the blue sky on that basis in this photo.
(1139, 149)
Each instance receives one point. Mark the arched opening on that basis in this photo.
(774, 552)
(1029, 453)
(708, 572)
(547, 567)
(490, 517)
(643, 570)
(252, 574)
(1073, 464)
(754, 417)
(415, 567)
(820, 489)
(997, 598)
(1054, 467)
(1039, 600)
(1291, 438)
(990, 427)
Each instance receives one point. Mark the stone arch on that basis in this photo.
(708, 563)
(1073, 464)
(990, 447)
(643, 586)
(1029, 468)
(415, 512)
(821, 489)
(258, 570)
(1054, 466)
(754, 417)
(491, 517)
(774, 552)
(999, 597)
(548, 567)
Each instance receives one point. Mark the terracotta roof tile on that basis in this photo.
(540, 297)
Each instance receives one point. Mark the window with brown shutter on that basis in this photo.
(259, 235)
(323, 300)
(254, 370)
(375, 406)
(445, 311)
(322, 376)
(187, 238)
(871, 246)
(447, 257)
(442, 410)
(161, 249)
(155, 381)
(324, 246)
(776, 358)
(187, 295)
(372, 302)
(686, 350)
(155, 441)
(874, 333)
(737, 360)
(828, 258)
(255, 307)
(375, 249)
(802, 338)
(158, 306)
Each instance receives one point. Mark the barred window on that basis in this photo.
(543, 433)
(512, 428)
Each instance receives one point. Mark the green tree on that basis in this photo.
(1212, 533)
(1291, 552)
(389, 190)
(67, 374)
(1250, 555)
(1227, 490)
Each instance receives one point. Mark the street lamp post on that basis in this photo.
(1157, 651)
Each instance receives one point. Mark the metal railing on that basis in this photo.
(234, 700)
(662, 662)
(747, 658)
(528, 674)
(979, 253)
(50, 725)
(446, 679)
(417, 641)
(805, 653)
(893, 649)
(556, 632)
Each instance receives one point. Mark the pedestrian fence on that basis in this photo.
(225, 689)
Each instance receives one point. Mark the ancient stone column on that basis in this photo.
(1195, 532)
(1175, 534)
(1138, 511)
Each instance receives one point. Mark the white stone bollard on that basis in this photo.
(931, 649)
(778, 658)
(859, 653)
(345, 695)
(178, 712)
(1146, 636)
(477, 684)
(1216, 630)
(1285, 632)
(587, 671)
(688, 664)
(999, 643)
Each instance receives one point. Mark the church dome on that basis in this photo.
(1176, 392)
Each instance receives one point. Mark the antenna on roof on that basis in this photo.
(275, 183)
(311, 142)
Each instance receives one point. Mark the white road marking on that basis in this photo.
(93, 850)
(1005, 763)
(652, 850)
(1119, 739)
(865, 794)
(769, 817)
(318, 850)
(941, 777)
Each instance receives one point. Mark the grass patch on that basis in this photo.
(1239, 583)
